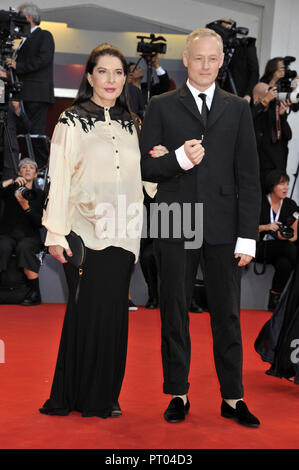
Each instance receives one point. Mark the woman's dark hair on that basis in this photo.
(270, 69)
(85, 91)
(273, 178)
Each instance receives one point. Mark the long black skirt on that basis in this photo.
(278, 340)
(93, 346)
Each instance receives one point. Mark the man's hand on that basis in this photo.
(156, 61)
(57, 252)
(11, 63)
(244, 259)
(158, 151)
(194, 151)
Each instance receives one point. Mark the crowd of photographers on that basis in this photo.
(271, 97)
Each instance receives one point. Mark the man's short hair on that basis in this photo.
(201, 33)
(27, 160)
(31, 10)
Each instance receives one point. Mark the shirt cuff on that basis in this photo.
(56, 239)
(182, 159)
(160, 71)
(245, 246)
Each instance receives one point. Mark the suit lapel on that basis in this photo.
(219, 104)
(28, 41)
(188, 101)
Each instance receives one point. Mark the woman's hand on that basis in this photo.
(273, 227)
(158, 151)
(57, 252)
(284, 106)
(20, 181)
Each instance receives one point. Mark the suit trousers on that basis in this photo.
(37, 114)
(222, 278)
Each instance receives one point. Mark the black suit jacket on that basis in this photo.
(227, 179)
(35, 67)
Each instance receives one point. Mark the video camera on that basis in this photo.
(156, 45)
(230, 43)
(229, 35)
(12, 26)
(285, 89)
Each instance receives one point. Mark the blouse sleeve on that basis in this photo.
(56, 217)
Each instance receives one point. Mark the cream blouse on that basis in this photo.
(95, 179)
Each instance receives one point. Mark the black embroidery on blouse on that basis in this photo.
(128, 126)
(87, 114)
(87, 122)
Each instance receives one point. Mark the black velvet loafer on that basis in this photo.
(241, 414)
(176, 411)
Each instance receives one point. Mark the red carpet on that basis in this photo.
(31, 335)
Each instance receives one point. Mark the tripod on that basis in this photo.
(226, 73)
(149, 66)
(295, 180)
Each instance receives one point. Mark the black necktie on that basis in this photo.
(204, 109)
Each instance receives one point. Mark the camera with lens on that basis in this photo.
(12, 26)
(28, 194)
(286, 230)
(284, 85)
(154, 45)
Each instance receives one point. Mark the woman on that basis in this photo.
(274, 71)
(95, 191)
(275, 247)
(20, 226)
(270, 116)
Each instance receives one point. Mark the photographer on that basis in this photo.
(240, 59)
(160, 79)
(270, 121)
(20, 226)
(278, 230)
(34, 68)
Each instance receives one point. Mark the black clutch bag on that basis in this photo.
(78, 249)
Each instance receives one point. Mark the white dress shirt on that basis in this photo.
(244, 246)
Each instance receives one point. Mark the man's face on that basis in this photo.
(135, 72)
(203, 62)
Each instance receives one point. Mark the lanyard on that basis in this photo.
(277, 121)
(272, 218)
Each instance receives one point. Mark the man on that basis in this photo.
(34, 68)
(215, 164)
(244, 66)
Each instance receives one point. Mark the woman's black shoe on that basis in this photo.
(32, 298)
(116, 411)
